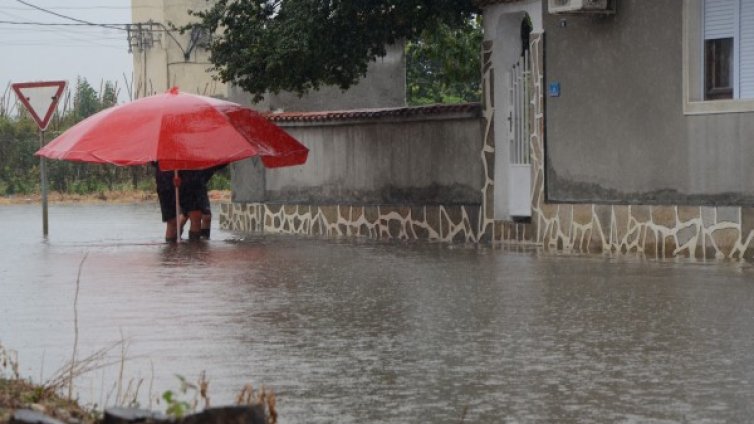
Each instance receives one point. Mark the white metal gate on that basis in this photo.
(519, 134)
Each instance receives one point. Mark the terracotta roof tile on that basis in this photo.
(359, 114)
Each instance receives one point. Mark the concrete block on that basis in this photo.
(228, 415)
(132, 415)
(27, 416)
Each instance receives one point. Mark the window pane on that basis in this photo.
(718, 69)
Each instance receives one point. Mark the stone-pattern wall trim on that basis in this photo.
(435, 223)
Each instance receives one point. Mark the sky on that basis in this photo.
(41, 53)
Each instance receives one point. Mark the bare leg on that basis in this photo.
(171, 235)
(206, 225)
(196, 225)
(184, 219)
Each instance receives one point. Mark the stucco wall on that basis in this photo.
(375, 162)
(618, 133)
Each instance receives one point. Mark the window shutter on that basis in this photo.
(746, 78)
(720, 18)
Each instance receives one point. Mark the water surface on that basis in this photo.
(362, 331)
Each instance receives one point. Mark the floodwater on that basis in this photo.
(370, 332)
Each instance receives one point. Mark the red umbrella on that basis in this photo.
(178, 130)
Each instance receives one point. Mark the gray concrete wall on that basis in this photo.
(618, 132)
(399, 161)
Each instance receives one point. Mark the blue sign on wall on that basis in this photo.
(554, 89)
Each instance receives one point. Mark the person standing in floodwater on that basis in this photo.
(192, 190)
(205, 204)
(165, 183)
(190, 185)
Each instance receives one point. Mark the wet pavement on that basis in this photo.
(362, 331)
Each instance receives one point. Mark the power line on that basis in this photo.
(67, 17)
(108, 26)
(48, 44)
(83, 22)
(64, 32)
(89, 7)
(98, 32)
(70, 34)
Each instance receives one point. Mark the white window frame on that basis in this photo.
(693, 68)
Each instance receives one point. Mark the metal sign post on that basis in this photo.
(43, 184)
(41, 99)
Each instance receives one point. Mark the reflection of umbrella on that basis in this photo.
(179, 131)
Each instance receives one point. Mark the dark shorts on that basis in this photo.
(193, 197)
(206, 207)
(167, 204)
(193, 192)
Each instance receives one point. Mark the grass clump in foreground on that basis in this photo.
(21, 394)
(18, 393)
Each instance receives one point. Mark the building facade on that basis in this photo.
(627, 130)
(642, 127)
(163, 57)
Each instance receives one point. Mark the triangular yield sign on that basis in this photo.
(40, 99)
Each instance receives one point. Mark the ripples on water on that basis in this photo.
(361, 331)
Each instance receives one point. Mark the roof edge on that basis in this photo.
(437, 111)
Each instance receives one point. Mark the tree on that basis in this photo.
(443, 65)
(85, 100)
(300, 45)
(19, 169)
(109, 95)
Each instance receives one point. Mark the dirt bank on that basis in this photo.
(17, 394)
(133, 196)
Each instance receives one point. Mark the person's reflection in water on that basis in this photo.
(185, 255)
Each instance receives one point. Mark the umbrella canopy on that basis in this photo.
(179, 131)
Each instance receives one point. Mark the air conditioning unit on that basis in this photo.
(579, 6)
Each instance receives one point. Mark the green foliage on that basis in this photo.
(85, 100)
(19, 169)
(443, 65)
(19, 139)
(300, 45)
(220, 181)
(175, 408)
(109, 95)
